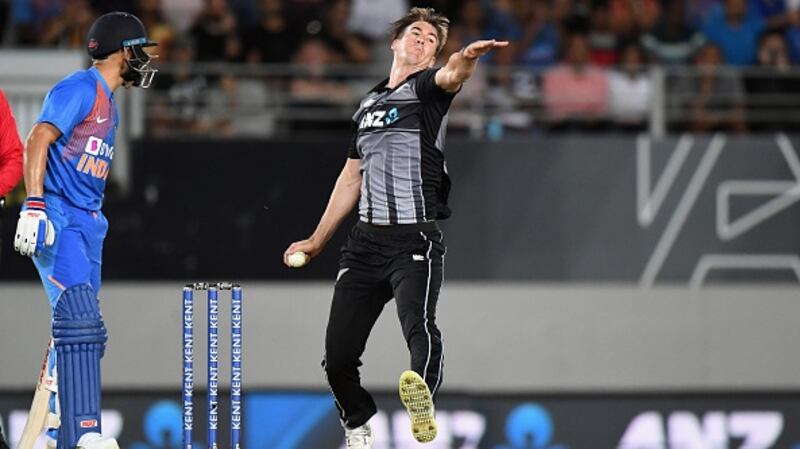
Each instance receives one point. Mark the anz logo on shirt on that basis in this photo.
(92, 160)
(379, 119)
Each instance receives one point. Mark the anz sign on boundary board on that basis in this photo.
(286, 420)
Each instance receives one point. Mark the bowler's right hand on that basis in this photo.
(308, 246)
(34, 229)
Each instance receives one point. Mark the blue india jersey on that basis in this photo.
(82, 107)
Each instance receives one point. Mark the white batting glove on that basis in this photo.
(34, 229)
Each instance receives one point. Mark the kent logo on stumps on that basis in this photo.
(212, 400)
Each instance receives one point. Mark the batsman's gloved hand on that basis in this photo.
(34, 229)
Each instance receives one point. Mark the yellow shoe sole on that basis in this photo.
(416, 397)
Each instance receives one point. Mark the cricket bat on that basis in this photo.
(40, 406)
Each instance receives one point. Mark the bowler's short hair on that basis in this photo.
(439, 22)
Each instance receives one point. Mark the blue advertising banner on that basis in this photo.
(308, 420)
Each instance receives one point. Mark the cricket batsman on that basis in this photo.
(68, 155)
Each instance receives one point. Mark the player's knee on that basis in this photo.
(77, 319)
(418, 326)
(334, 365)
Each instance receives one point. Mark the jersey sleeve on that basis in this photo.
(352, 151)
(428, 91)
(66, 105)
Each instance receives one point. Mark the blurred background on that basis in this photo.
(623, 256)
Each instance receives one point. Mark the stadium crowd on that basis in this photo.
(572, 64)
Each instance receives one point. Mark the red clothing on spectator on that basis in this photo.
(603, 57)
(10, 149)
(630, 17)
(575, 95)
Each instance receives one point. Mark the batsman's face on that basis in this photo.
(123, 67)
(417, 45)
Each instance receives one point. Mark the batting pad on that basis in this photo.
(80, 338)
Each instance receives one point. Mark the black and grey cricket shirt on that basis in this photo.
(399, 136)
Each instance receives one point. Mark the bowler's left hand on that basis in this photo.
(479, 48)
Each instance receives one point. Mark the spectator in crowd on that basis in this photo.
(793, 41)
(505, 87)
(466, 108)
(630, 90)
(305, 14)
(743, 32)
(792, 30)
(313, 87)
(215, 34)
(712, 97)
(560, 11)
(181, 94)
(29, 19)
(699, 11)
(539, 45)
(450, 8)
(271, 41)
(735, 32)
(347, 47)
(673, 41)
(237, 106)
(774, 12)
(470, 25)
(161, 31)
(372, 18)
(5, 12)
(181, 14)
(773, 91)
(575, 92)
(511, 90)
(629, 18)
(502, 20)
(603, 40)
(481, 19)
(69, 29)
(21, 23)
(246, 12)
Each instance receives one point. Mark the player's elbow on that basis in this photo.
(42, 134)
(351, 181)
(451, 79)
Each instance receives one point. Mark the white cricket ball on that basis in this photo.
(298, 259)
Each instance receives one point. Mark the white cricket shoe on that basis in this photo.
(359, 438)
(94, 440)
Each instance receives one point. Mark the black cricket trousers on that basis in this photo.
(379, 263)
